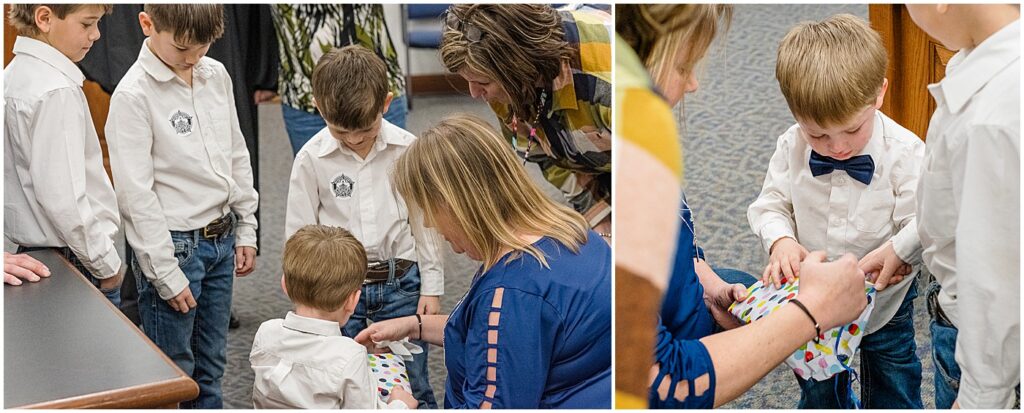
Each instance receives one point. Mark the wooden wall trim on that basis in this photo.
(439, 84)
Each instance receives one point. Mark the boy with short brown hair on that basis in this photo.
(303, 361)
(56, 193)
(184, 184)
(341, 177)
(843, 180)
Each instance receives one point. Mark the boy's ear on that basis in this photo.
(283, 287)
(352, 301)
(387, 102)
(881, 93)
(147, 25)
(43, 17)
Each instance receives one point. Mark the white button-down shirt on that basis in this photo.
(969, 214)
(837, 214)
(331, 185)
(305, 363)
(56, 192)
(179, 161)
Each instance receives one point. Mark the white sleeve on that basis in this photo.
(57, 168)
(248, 201)
(906, 172)
(988, 269)
(428, 255)
(303, 196)
(771, 214)
(130, 141)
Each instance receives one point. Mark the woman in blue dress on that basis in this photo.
(534, 329)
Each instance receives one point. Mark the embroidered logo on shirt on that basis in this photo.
(181, 122)
(342, 186)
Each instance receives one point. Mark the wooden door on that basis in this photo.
(915, 61)
(99, 101)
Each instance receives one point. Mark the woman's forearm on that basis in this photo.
(773, 338)
(433, 328)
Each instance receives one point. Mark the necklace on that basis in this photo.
(533, 126)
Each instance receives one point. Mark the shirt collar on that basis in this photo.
(159, 71)
(308, 325)
(49, 55)
(389, 135)
(564, 90)
(971, 69)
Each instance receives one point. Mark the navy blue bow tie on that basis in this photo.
(860, 167)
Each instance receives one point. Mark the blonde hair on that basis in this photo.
(830, 70)
(23, 16)
(519, 46)
(658, 32)
(462, 166)
(323, 266)
(350, 86)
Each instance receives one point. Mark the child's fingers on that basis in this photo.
(794, 263)
(764, 274)
(787, 270)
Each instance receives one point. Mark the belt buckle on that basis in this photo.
(206, 233)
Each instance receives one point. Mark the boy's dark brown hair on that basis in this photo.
(350, 86)
(191, 23)
(323, 266)
(22, 16)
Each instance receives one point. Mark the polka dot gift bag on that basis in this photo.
(832, 353)
(388, 371)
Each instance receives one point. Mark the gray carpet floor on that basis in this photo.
(258, 297)
(731, 126)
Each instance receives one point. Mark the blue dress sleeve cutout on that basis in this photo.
(682, 362)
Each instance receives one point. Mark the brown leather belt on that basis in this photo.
(378, 271)
(218, 227)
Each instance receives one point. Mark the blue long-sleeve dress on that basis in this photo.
(685, 319)
(525, 336)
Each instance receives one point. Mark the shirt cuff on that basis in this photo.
(431, 283)
(171, 284)
(973, 395)
(245, 236)
(397, 405)
(773, 231)
(107, 266)
(907, 244)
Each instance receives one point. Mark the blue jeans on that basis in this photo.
(947, 372)
(392, 299)
(302, 125)
(890, 376)
(113, 294)
(196, 341)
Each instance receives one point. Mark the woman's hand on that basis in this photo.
(719, 298)
(832, 291)
(387, 330)
(18, 267)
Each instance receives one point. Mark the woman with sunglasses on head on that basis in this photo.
(534, 329)
(546, 74)
(694, 363)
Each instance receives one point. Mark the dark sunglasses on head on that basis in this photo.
(471, 32)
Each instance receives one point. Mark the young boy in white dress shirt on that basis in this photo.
(843, 180)
(303, 361)
(341, 177)
(968, 206)
(56, 193)
(184, 184)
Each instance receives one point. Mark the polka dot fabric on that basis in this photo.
(388, 371)
(835, 348)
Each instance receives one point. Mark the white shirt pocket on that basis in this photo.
(873, 218)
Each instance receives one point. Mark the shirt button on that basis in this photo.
(841, 180)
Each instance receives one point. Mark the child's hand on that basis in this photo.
(183, 302)
(784, 261)
(398, 393)
(245, 261)
(429, 304)
(884, 267)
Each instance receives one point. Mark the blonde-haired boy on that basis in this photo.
(969, 205)
(341, 177)
(843, 180)
(303, 361)
(56, 193)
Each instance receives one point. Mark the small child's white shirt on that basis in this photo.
(331, 185)
(969, 214)
(305, 363)
(56, 192)
(837, 214)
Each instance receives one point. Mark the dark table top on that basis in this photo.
(65, 345)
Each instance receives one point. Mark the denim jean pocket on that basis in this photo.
(409, 284)
(184, 249)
